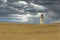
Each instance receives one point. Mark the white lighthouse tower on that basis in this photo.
(41, 19)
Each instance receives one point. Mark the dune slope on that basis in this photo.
(13, 31)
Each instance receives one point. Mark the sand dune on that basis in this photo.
(13, 31)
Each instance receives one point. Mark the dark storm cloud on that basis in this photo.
(56, 13)
(20, 8)
(55, 8)
(46, 2)
(51, 7)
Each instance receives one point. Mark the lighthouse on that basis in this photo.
(41, 19)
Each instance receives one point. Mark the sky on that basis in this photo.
(29, 11)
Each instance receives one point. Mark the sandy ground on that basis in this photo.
(29, 32)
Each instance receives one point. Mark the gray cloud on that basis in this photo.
(55, 15)
(51, 8)
(21, 8)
